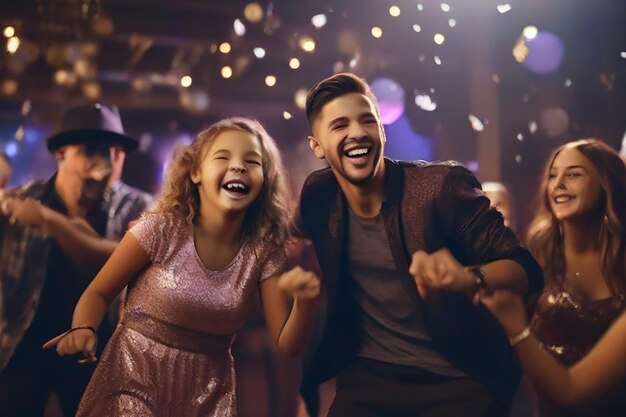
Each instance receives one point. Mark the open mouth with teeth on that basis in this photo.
(563, 199)
(357, 152)
(237, 187)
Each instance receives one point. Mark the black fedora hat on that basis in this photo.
(89, 124)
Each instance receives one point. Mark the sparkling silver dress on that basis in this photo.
(171, 353)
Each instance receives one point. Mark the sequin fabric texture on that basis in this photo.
(568, 327)
(170, 355)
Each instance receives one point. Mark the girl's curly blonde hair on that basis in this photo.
(267, 217)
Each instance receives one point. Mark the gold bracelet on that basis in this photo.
(519, 337)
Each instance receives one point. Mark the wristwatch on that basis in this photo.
(477, 273)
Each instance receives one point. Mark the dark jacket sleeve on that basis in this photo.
(475, 232)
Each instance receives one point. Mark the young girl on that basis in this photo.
(578, 237)
(192, 268)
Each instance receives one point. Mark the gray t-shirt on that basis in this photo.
(393, 330)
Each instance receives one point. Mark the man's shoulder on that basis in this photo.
(442, 165)
(126, 190)
(431, 170)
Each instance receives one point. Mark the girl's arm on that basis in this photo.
(126, 261)
(290, 323)
(593, 375)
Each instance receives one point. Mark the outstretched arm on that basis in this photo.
(594, 374)
(125, 263)
(290, 322)
(85, 248)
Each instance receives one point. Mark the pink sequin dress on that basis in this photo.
(171, 353)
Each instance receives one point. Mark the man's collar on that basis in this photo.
(393, 182)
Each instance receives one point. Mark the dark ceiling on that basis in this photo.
(133, 53)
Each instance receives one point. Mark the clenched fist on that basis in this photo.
(439, 271)
(81, 341)
(300, 284)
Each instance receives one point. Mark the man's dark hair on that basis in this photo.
(333, 87)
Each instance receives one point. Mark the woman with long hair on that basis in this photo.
(578, 237)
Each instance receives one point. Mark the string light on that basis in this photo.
(300, 98)
(225, 47)
(307, 44)
(270, 80)
(186, 81)
(253, 12)
(394, 11)
(226, 71)
(377, 32)
(13, 44)
(8, 31)
(294, 63)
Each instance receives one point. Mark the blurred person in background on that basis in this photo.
(71, 223)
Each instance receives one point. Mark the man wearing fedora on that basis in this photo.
(83, 210)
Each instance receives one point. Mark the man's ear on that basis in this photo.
(316, 148)
(59, 154)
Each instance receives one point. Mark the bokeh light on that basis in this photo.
(554, 122)
(545, 53)
(294, 63)
(8, 31)
(270, 80)
(13, 44)
(530, 32)
(300, 98)
(225, 47)
(307, 44)
(226, 71)
(239, 27)
(319, 20)
(390, 96)
(186, 81)
(259, 52)
(253, 12)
